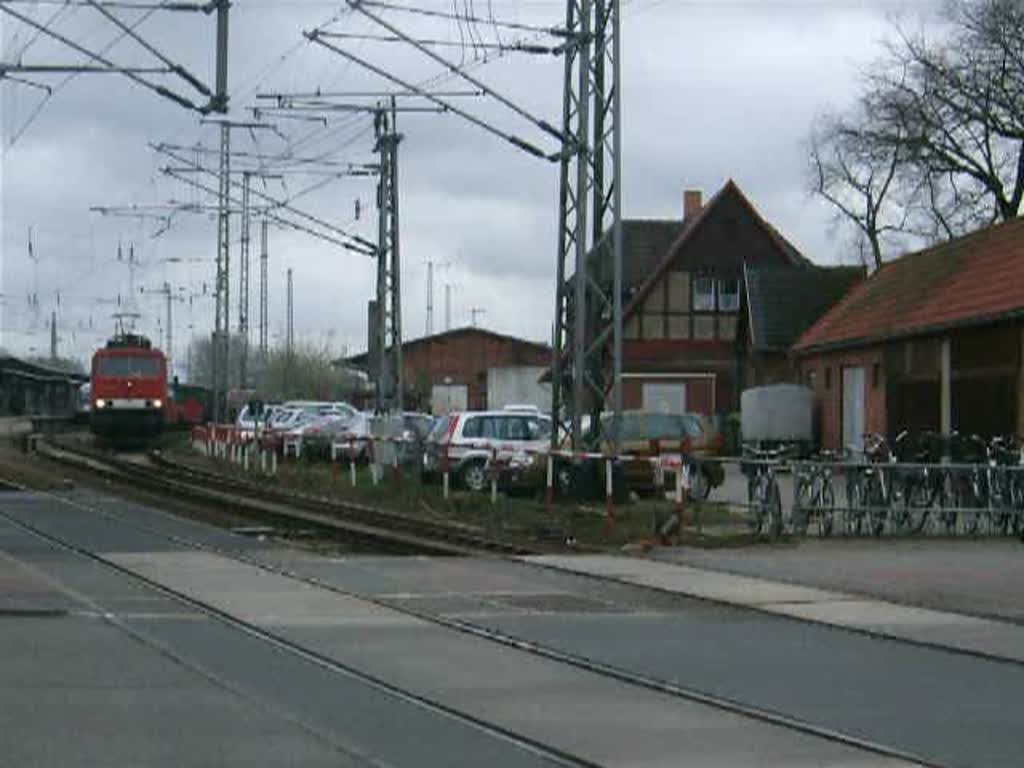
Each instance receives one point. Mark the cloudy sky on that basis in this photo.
(712, 89)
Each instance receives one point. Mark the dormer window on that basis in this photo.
(704, 294)
(729, 295)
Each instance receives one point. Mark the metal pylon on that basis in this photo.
(389, 294)
(221, 330)
(264, 293)
(587, 366)
(243, 287)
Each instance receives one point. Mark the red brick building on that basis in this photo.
(931, 341)
(449, 370)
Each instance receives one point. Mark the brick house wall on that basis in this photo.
(461, 356)
(823, 372)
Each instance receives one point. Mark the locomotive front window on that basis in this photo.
(147, 367)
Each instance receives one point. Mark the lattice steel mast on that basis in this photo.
(588, 300)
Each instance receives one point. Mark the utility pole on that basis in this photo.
(588, 300)
(447, 306)
(170, 297)
(53, 336)
(264, 293)
(474, 312)
(430, 297)
(389, 295)
(243, 286)
(289, 334)
(221, 329)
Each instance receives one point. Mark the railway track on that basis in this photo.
(385, 531)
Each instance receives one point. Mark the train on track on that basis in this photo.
(128, 389)
(129, 395)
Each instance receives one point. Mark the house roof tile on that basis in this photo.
(969, 280)
(783, 302)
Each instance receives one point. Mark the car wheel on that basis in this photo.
(474, 476)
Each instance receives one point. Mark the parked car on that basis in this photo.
(670, 439)
(281, 422)
(471, 439)
(353, 441)
(317, 437)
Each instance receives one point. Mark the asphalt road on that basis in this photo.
(978, 577)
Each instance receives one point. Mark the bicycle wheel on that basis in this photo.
(803, 506)
(999, 502)
(949, 502)
(854, 511)
(874, 496)
(827, 510)
(774, 502)
(918, 503)
(755, 505)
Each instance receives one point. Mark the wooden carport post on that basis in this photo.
(946, 388)
(1020, 383)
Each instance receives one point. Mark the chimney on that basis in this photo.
(693, 201)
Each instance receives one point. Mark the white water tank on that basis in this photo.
(777, 412)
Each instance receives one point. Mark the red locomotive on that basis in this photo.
(129, 388)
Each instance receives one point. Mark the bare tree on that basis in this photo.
(859, 178)
(939, 131)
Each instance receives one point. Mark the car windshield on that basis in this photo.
(642, 427)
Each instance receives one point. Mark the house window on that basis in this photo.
(876, 375)
(727, 328)
(704, 294)
(812, 378)
(828, 377)
(729, 295)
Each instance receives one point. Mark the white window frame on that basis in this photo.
(732, 306)
(698, 296)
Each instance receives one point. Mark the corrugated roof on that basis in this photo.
(783, 302)
(972, 279)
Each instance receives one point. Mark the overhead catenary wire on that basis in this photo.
(353, 242)
(512, 139)
(519, 46)
(174, 67)
(270, 215)
(160, 90)
(554, 31)
(458, 71)
(45, 100)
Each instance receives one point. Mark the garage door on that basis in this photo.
(665, 397)
(445, 398)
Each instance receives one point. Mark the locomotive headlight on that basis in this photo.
(101, 403)
(158, 403)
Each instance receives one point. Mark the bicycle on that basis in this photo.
(763, 495)
(924, 487)
(872, 490)
(814, 496)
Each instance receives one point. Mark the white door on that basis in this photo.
(853, 407)
(445, 398)
(665, 397)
